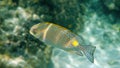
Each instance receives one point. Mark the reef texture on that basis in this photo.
(97, 21)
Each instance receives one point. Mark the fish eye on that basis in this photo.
(34, 31)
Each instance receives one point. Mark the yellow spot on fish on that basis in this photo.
(75, 43)
(58, 36)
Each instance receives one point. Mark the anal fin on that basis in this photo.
(75, 51)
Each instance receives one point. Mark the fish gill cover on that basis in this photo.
(97, 21)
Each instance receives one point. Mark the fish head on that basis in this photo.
(38, 30)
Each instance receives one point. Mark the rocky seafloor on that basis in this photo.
(97, 21)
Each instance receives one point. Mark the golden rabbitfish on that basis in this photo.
(60, 37)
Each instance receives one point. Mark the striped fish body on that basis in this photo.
(60, 37)
(55, 35)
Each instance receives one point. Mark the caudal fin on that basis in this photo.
(89, 52)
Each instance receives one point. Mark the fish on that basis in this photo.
(61, 37)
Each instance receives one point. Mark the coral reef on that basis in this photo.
(98, 21)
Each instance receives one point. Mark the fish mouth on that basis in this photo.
(33, 30)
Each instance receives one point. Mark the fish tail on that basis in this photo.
(88, 51)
